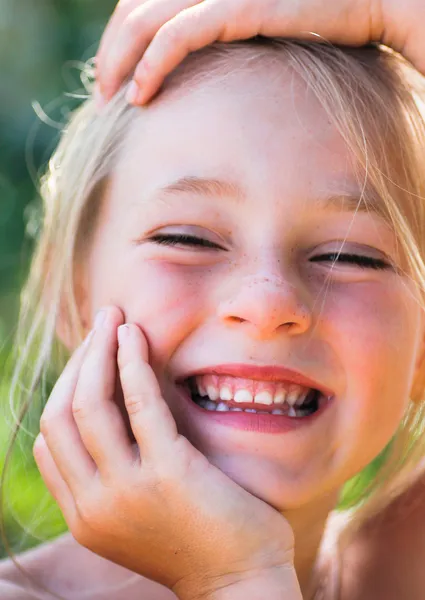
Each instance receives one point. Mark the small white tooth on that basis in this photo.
(292, 412)
(202, 403)
(210, 405)
(243, 396)
(292, 397)
(236, 409)
(213, 392)
(201, 389)
(221, 407)
(279, 397)
(250, 410)
(225, 393)
(277, 411)
(302, 398)
(264, 397)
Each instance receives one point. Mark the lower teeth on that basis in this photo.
(222, 407)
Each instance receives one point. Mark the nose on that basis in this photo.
(266, 306)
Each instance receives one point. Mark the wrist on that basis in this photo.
(278, 583)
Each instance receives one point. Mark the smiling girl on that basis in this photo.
(256, 236)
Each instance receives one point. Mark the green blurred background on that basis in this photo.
(42, 44)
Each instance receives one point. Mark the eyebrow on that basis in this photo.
(349, 202)
(211, 188)
(201, 186)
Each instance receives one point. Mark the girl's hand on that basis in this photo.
(156, 35)
(157, 506)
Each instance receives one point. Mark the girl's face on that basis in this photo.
(252, 165)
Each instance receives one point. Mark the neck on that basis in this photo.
(308, 524)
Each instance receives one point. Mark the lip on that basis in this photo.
(262, 373)
(191, 413)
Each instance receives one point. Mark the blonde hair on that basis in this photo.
(374, 99)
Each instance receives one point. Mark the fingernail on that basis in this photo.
(100, 318)
(98, 98)
(132, 92)
(123, 333)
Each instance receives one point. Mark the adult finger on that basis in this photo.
(54, 481)
(58, 427)
(132, 38)
(151, 420)
(190, 30)
(94, 407)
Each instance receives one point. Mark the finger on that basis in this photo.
(414, 50)
(55, 483)
(132, 38)
(59, 430)
(187, 32)
(151, 420)
(122, 10)
(95, 410)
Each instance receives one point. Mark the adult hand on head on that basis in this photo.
(156, 505)
(151, 37)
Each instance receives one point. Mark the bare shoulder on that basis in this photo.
(386, 559)
(28, 573)
(65, 568)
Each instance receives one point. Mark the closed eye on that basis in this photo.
(176, 239)
(365, 262)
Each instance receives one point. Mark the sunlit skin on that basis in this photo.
(258, 298)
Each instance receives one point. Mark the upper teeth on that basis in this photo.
(234, 389)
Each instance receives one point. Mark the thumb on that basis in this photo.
(151, 420)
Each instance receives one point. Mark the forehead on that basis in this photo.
(262, 128)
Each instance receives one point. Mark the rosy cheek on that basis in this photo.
(373, 346)
(167, 300)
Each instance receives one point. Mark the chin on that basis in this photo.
(273, 483)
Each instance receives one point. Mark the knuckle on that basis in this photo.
(79, 408)
(80, 532)
(86, 400)
(47, 424)
(92, 519)
(88, 513)
(39, 447)
(132, 27)
(171, 35)
(135, 401)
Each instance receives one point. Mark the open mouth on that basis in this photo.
(277, 398)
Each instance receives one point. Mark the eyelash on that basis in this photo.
(365, 262)
(181, 238)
